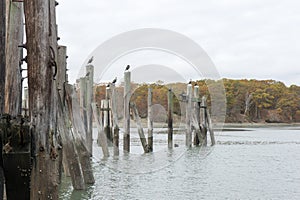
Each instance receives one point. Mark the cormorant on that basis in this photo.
(190, 82)
(127, 68)
(114, 81)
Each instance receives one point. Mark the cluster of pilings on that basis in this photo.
(198, 121)
(49, 137)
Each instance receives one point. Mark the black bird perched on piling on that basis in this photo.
(190, 82)
(127, 68)
(91, 60)
(87, 74)
(114, 81)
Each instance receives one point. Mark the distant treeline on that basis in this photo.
(247, 100)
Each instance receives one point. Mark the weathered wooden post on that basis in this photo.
(60, 84)
(89, 100)
(25, 102)
(78, 129)
(140, 128)
(210, 128)
(82, 101)
(188, 141)
(203, 120)
(72, 157)
(102, 140)
(2, 54)
(61, 73)
(150, 119)
(127, 94)
(105, 107)
(44, 184)
(15, 31)
(197, 115)
(170, 118)
(2, 80)
(115, 120)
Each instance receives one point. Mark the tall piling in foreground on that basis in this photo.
(89, 100)
(2, 80)
(13, 83)
(41, 70)
(126, 127)
(188, 138)
(115, 120)
(150, 119)
(170, 118)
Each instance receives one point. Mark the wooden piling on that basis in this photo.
(41, 62)
(140, 128)
(210, 128)
(2, 80)
(203, 120)
(2, 54)
(15, 32)
(61, 73)
(197, 116)
(188, 138)
(89, 100)
(115, 120)
(82, 100)
(60, 85)
(102, 140)
(78, 129)
(170, 118)
(105, 108)
(69, 148)
(127, 95)
(150, 119)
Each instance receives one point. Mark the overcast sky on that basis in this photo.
(244, 38)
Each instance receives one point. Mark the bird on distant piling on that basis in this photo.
(190, 82)
(127, 68)
(108, 85)
(87, 74)
(91, 60)
(196, 84)
(114, 81)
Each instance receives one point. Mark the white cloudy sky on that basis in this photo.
(244, 38)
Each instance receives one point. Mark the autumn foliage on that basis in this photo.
(247, 100)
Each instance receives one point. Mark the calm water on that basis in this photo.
(259, 163)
